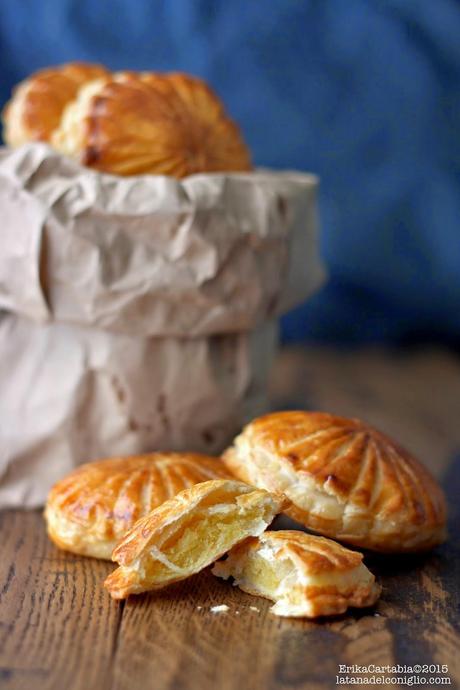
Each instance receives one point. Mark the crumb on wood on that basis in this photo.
(219, 609)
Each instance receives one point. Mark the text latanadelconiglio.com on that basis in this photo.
(399, 674)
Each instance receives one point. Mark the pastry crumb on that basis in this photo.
(198, 608)
(254, 608)
(219, 609)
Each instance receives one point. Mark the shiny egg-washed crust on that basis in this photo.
(91, 509)
(188, 533)
(311, 576)
(345, 480)
(37, 103)
(148, 123)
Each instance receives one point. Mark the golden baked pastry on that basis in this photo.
(305, 576)
(142, 123)
(35, 109)
(91, 509)
(345, 480)
(188, 533)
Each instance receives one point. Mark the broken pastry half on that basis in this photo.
(345, 480)
(91, 509)
(305, 575)
(188, 533)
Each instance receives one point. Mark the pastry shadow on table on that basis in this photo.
(199, 594)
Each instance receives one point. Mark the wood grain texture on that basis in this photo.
(53, 611)
(60, 630)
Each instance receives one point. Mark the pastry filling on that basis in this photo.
(261, 572)
(192, 546)
(203, 539)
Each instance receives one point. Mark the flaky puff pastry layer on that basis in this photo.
(188, 533)
(139, 123)
(37, 104)
(91, 509)
(345, 480)
(306, 576)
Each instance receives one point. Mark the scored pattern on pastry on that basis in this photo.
(170, 124)
(91, 509)
(188, 533)
(345, 479)
(303, 574)
(37, 104)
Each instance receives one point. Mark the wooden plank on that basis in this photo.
(59, 629)
(63, 630)
(167, 642)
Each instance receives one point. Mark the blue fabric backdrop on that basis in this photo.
(362, 92)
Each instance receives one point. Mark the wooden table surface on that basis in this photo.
(60, 630)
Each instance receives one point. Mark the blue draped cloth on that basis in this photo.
(364, 93)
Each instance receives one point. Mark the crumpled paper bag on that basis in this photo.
(138, 313)
(152, 255)
(69, 394)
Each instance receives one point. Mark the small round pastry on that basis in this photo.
(35, 109)
(150, 123)
(188, 533)
(345, 480)
(306, 576)
(91, 509)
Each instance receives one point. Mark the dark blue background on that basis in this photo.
(364, 93)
